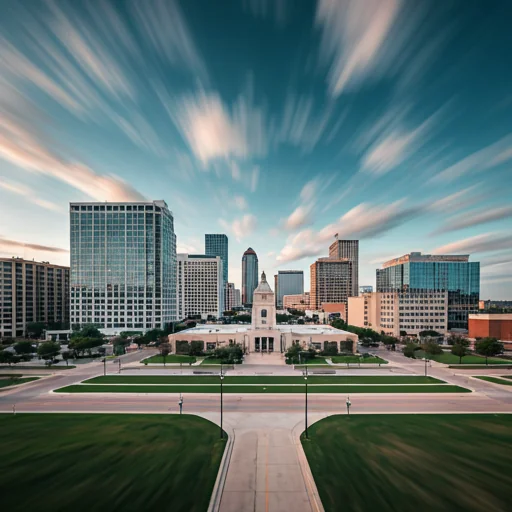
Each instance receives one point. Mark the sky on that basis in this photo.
(279, 123)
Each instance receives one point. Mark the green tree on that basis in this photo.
(432, 348)
(182, 347)
(409, 350)
(24, 347)
(66, 356)
(459, 347)
(88, 331)
(196, 348)
(330, 348)
(7, 357)
(489, 347)
(164, 349)
(35, 329)
(48, 351)
(153, 335)
(292, 354)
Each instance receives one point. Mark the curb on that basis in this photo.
(311, 489)
(220, 481)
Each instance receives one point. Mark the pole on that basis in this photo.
(105, 365)
(119, 361)
(306, 404)
(221, 407)
(425, 366)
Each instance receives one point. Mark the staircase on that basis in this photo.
(263, 358)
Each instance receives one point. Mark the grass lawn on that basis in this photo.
(215, 388)
(209, 379)
(506, 376)
(449, 358)
(106, 462)
(316, 360)
(424, 462)
(496, 381)
(4, 383)
(171, 358)
(212, 360)
(357, 359)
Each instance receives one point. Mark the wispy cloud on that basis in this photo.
(255, 176)
(302, 215)
(486, 158)
(8, 245)
(277, 9)
(476, 218)
(241, 202)
(29, 195)
(479, 243)
(242, 227)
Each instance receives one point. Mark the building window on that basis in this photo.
(263, 313)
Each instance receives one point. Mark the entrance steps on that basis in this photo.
(263, 358)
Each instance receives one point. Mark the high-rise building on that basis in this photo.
(238, 298)
(249, 276)
(231, 297)
(200, 290)
(400, 311)
(348, 249)
(455, 274)
(123, 265)
(217, 245)
(32, 292)
(288, 282)
(331, 281)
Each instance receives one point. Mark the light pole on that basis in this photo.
(180, 403)
(105, 365)
(221, 405)
(426, 365)
(349, 403)
(306, 403)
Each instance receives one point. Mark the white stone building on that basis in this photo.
(264, 334)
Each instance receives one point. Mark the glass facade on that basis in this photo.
(217, 245)
(461, 279)
(123, 265)
(249, 276)
(289, 282)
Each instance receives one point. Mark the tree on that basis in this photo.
(164, 348)
(35, 329)
(409, 350)
(7, 357)
(87, 331)
(48, 351)
(196, 348)
(489, 347)
(432, 349)
(292, 354)
(459, 347)
(153, 335)
(330, 348)
(66, 356)
(182, 347)
(23, 347)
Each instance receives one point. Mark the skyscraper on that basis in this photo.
(123, 265)
(416, 272)
(330, 281)
(32, 292)
(249, 276)
(217, 245)
(348, 249)
(288, 282)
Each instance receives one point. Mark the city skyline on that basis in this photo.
(317, 130)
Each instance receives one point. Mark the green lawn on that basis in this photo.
(506, 376)
(213, 360)
(449, 358)
(4, 383)
(267, 379)
(215, 388)
(421, 463)
(170, 359)
(358, 359)
(106, 462)
(495, 380)
(315, 360)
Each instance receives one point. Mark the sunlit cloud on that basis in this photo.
(29, 195)
(480, 243)
(7, 245)
(241, 228)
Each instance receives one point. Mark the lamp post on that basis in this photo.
(180, 403)
(306, 403)
(349, 403)
(426, 365)
(105, 365)
(221, 405)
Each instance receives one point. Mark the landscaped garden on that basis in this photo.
(424, 462)
(170, 359)
(358, 359)
(106, 462)
(496, 380)
(14, 380)
(449, 358)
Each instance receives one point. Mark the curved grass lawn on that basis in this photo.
(107, 462)
(421, 463)
(449, 358)
(267, 379)
(496, 380)
(4, 383)
(170, 359)
(215, 388)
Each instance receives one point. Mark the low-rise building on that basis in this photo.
(491, 325)
(300, 302)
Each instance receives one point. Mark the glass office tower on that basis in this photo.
(217, 245)
(123, 265)
(454, 274)
(288, 282)
(249, 276)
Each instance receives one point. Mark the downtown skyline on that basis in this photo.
(279, 124)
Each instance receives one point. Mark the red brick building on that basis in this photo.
(494, 326)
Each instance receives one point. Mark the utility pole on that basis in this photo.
(306, 403)
(349, 403)
(180, 403)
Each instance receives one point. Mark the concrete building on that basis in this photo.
(231, 297)
(335, 308)
(200, 286)
(300, 301)
(493, 325)
(217, 245)
(331, 281)
(288, 282)
(264, 334)
(249, 276)
(349, 249)
(393, 312)
(455, 274)
(365, 289)
(123, 265)
(32, 291)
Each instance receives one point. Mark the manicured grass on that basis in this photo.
(106, 462)
(495, 380)
(449, 358)
(170, 359)
(214, 361)
(422, 463)
(315, 360)
(212, 388)
(4, 383)
(269, 379)
(358, 359)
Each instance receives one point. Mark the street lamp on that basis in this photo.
(221, 405)
(306, 404)
(180, 403)
(426, 365)
(104, 366)
(349, 403)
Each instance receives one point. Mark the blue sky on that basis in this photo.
(279, 123)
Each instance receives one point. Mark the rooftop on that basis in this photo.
(232, 329)
(418, 257)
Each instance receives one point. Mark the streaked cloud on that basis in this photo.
(7, 245)
(241, 227)
(480, 243)
(276, 9)
(255, 176)
(29, 195)
(241, 202)
(476, 218)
